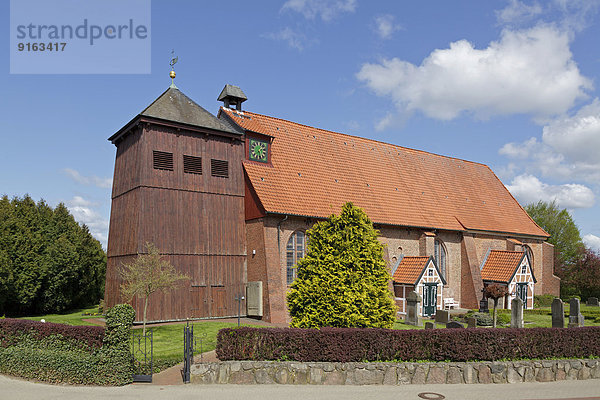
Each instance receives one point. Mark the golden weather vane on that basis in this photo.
(172, 64)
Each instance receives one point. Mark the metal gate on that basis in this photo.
(142, 349)
(191, 345)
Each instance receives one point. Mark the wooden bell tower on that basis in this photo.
(178, 183)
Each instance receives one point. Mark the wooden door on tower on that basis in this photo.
(218, 305)
(429, 299)
(199, 301)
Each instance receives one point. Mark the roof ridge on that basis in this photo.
(359, 137)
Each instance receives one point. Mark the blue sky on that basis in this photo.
(511, 84)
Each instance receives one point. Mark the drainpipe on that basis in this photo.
(279, 234)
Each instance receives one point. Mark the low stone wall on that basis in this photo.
(326, 373)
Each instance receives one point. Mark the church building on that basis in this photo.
(228, 199)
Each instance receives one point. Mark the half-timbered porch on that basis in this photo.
(512, 269)
(419, 274)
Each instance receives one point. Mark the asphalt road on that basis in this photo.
(11, 388)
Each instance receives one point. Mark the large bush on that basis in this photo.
(48, 262)
(581, 278)
(69, 354)
(348, 344)
(343, 279)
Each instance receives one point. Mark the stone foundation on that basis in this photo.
(326, 373)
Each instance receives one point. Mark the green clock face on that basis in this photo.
(258, 150)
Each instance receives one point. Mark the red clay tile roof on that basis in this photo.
(500, 265)
(314, 172)
(409, 270)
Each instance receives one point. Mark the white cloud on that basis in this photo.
(517, 12)
(104, 183)
(571, 15)
(293, 39)
(520, 150)
(569, 147)
(577, 137)
(385, 26)
(326, 9)
(529, 189)
(84, 212)
(592, 241)
(576, 14)
(525, 72)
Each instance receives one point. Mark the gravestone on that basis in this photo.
(471, 322)
(516, 313)
(592, 302)
(442, 316)
(454, 324)
(483, 304)
(429, 325)
(413, 300)
(575, 317)
(558, 313)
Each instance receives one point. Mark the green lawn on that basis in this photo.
(73, 317)
(530, 320)
(168, 339)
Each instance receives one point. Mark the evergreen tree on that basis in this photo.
(343, 279)
(48, 262)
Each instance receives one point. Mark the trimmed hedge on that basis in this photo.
(12, 332)
(60, 353)
(356, 345)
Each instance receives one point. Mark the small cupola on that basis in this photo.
(232, 96)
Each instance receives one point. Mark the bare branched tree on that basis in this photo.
(147, 274)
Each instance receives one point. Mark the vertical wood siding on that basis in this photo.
(195, 220)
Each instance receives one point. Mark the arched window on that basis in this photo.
(440, 256)
(295, 250)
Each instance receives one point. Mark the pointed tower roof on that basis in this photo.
(174, 106)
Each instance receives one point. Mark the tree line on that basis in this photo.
(48, 262)
(577, 265)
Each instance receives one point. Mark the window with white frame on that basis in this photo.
(295, 250)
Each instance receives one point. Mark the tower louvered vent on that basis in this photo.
(192, 165)
(219, 168)
(162, 160)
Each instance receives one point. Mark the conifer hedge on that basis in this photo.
(48, 262)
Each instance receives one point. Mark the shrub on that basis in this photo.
(483, 319)
(503, 318)
(116, 351)
(60, 353)
(352, 344)
(14, 331)
(542, 300)
(343, 279)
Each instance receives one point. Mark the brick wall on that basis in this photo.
(269, 237)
